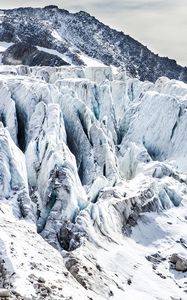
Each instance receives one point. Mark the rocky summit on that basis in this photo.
(93, 169)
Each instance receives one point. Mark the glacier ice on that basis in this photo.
(13, 177)
(52, 170)
(98, 151)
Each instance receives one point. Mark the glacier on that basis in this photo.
(93, 184)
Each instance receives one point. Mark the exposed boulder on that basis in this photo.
(179, 261)
(4, 293)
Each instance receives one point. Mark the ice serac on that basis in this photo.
(52, 172)
(162, 133)
(8, 112)
(13, 177)
(89, 140)
(26, 94)
(102, 163)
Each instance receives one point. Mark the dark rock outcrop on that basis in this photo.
(28, 54)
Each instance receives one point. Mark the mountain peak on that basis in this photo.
(76, 35)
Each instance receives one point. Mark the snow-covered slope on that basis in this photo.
(80, 39)
(94, 162)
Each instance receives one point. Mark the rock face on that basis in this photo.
(85, 154)
(27, 54)
(78, 35)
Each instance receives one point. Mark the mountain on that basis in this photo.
(93, 169)
(76, 37)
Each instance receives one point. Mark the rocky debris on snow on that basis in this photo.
(183, 242)
(155, 259)
(88, 275)
(3, 272)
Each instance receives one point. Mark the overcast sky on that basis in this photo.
(159, 24)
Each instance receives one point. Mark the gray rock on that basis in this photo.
(41, 280)
(44, 293)
(4, 293)
(179, 261)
